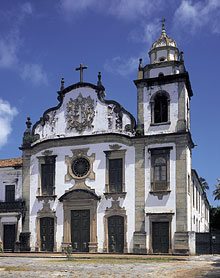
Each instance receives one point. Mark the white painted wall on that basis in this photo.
(168, 202)
(98, 184)
(57, 127)
(9, 176)
(172, 90)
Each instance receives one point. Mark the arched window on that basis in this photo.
(160, 74)
(160, 109)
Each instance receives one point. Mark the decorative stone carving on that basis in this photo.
(82, 163)
(118, 117)
(47, 153)
(110, 116)
(114, 147)
(52, 120)
(80, 113)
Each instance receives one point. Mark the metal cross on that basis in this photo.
(81, 68)
(162, 21)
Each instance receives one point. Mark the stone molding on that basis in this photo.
(114, 210)
(45, 212)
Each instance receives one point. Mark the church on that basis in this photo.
(95, 179)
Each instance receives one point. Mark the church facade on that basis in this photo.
(96, 180)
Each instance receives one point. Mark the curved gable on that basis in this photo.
(82, 110)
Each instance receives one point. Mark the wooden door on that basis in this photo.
(80, 230)
(9, 237)
(47, 233)
(160, 237)
(116, 234)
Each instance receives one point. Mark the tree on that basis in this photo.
(204, 184)
(215, 218)
(216, 192)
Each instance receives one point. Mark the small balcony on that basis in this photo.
(16, 206)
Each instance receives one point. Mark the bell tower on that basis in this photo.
(163, 90)
(163, 123)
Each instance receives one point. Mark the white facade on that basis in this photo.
(95, 180)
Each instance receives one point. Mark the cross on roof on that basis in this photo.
(81, 68)
(162, 21)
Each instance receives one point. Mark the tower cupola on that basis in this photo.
(163, 49)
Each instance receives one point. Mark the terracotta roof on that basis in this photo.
(11, 162)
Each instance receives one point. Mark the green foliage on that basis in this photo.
(139, 132)
(204, 184)
(68, 251)
(215, 218)
(29, 139)
(216, 192)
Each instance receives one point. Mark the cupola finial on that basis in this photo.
(62, 84)
(99, 82)
(28, 123)
(163, 26)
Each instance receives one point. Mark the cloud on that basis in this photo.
(27, 8)
(8, 52)
(34, 73)
(11, 46)
(125, 9)
(122, 66)
(146, 33)
(195, 16)
(7, 113)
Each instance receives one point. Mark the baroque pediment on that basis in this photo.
(83, 110)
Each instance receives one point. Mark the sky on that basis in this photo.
(42, 41)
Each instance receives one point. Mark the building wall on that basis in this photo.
(98, 184)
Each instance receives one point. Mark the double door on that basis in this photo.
(160, 237)
(47, 234)
(9, 237)
(80, 230)
(116, 234)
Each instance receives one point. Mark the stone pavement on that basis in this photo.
(106, 266)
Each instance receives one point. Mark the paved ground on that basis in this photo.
(106, 266)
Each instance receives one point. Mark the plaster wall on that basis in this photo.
(172, 90)
(168, 202)
(56, 125)
(98, 184)
(10, 176)
(154, 72)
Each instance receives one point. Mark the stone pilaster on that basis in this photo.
(26, 155)
(139, 238)
(181, 123)
(140, 107)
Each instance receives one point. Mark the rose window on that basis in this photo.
(80, 167)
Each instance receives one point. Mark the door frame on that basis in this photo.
(115, 210)
(42, 214)
(160, 217)
(53, 231)
(80, 199)
(108, 231)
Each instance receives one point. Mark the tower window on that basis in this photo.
(160, 169)
(160, 109)
(160, 74)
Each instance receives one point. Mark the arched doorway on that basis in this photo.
(116, 234)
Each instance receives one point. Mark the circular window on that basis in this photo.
(80, 167)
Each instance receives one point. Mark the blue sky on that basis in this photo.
(42, 41)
